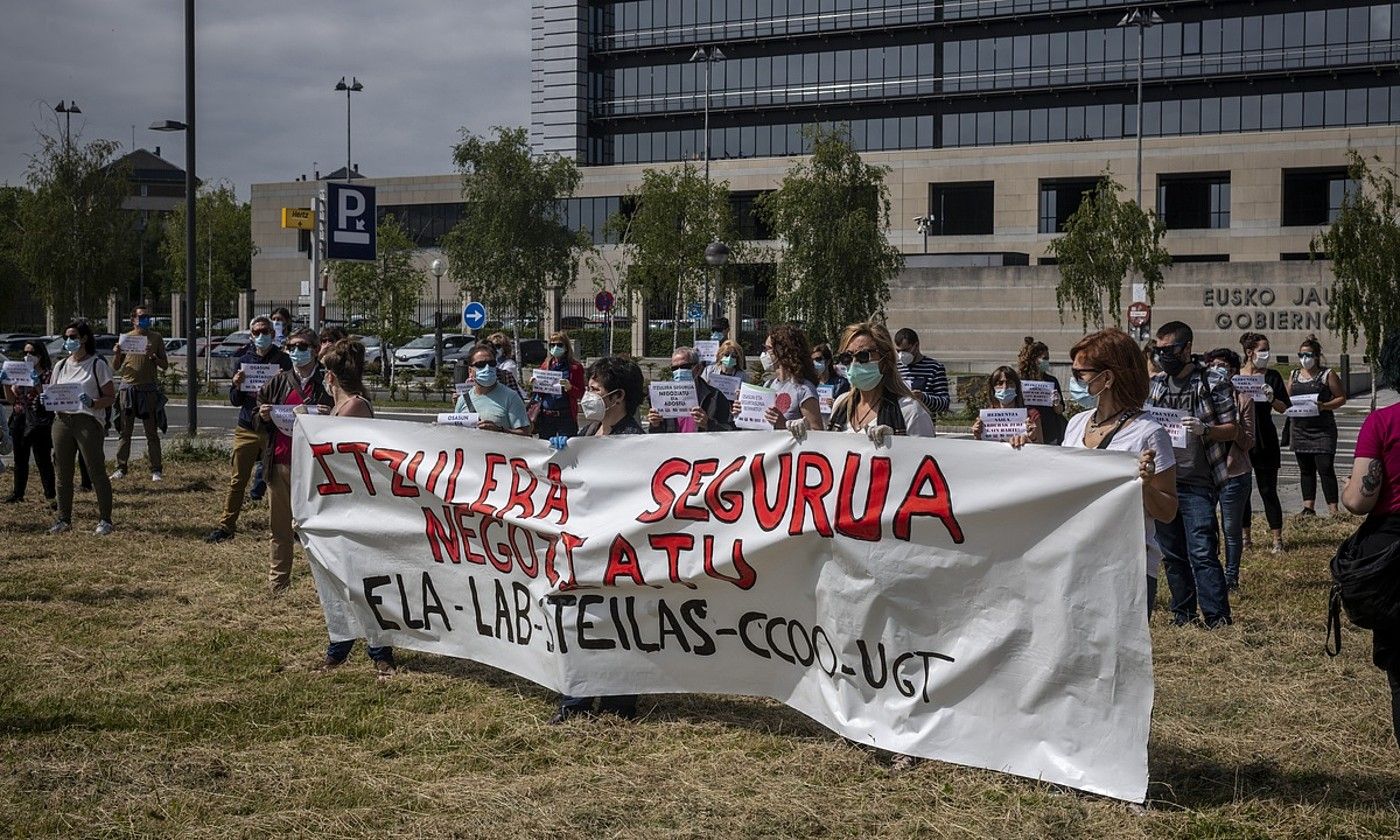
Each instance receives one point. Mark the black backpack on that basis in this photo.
(1367, 586)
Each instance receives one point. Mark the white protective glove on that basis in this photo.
(1269, 394)
(798, 429)
(1194, 426)
(879, 435)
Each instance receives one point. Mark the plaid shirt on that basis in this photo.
(1213, 403)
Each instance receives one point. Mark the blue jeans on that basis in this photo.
(1234, 501)
(1191, 557)
(340, 651)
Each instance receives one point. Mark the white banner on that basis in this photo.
(941, 598)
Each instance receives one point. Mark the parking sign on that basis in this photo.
(350, 229)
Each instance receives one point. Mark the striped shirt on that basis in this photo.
(928, 376)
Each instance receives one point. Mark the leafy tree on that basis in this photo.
(386, 290)
(671, 218)
(1104, 240)
(1363, 244)
(74, 241)
(512, 244)
(831, 213)
(12, 278)
(223, 245)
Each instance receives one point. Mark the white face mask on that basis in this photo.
(766, 359)
(1261, 357)
(905, 358)
(593, 406)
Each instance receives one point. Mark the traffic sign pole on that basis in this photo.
(318, 244)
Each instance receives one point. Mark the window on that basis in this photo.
(1199, 201)
(1314, 196)
(963, 208)
(1059, 199)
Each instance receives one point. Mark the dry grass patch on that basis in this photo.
(149, 686)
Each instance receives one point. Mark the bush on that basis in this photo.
(194, 449)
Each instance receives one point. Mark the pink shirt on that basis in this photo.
(1380, 439)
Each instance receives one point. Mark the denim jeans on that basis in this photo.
(1191, 557)
(1234, 501)
(339, 651)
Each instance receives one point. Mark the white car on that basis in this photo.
(420, 353)
(176, 346)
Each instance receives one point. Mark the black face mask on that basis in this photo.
(1173, 364)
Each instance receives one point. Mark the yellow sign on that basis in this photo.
(298, 217)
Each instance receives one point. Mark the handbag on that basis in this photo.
(1365, 586)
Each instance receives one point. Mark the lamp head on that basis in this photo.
(716, 254)
(438, 268)
(355, 84)
(340, 85)
(167, 125)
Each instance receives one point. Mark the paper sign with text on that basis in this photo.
(673, 400)
(708, 350)
(725, 384)
(1251, 386)
(66, 396)
(17, 374)
(754, 401)
(826, 398)
(1038, 393)
(465, 419)
(257, 375)
(1169, 419)
(1304, 405)
(1003, 423)
(889, 594)
(133, 345)
(548, 382)
(284, 417)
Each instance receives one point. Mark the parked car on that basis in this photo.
(12, 344)
(420, 353)
(176, 346)
(223, 354)
(374, 349)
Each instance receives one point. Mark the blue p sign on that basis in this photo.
(350, 234)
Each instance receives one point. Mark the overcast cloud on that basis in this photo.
(264, 74)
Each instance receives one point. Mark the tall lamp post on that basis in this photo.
(191, 358)
(68, 110)
(716, 253)
(438, 268)
(1141, 19)
(353, 87)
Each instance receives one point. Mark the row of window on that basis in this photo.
(1210, 115)
(1297, 40)
(632, 24)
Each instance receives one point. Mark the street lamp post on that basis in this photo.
(1141, 19)
(709, 56)
(353, 87)
(68, 111)
(438, 268)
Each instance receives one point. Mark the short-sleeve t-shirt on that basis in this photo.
(791, 394)
(500, 405)
(140, 368)
(1137, 436)
(1380, 440)
(93, 373)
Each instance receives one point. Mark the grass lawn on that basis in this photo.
(151, 687)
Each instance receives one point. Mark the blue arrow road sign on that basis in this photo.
(474, 316)
(695, 311)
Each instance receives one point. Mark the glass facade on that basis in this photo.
(964, 208)
(1314, 196)
(922, 75)
(1198, 201)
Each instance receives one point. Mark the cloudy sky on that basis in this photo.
(264, 74)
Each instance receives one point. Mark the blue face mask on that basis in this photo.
(682, 375)
(300, 356)
(1005, 395)
(717, 336)
(864, 376)
(557, 351)
(72, 344)
(819, 365)
(486, 377)
(1079, 392)
(144, 322)
(262, 341)
(1044, 365)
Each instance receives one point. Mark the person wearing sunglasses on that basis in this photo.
(1190, 542)
(712, 413)
(787, 359)
(1234, 496)
(1314, 439)
(557, 414)
(879, 403)
(249, 436)
(498, 405)
(82, 431)
(302, 386)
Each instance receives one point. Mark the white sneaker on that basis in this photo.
(155, 476)
(119, 474)
(59, 527)
(103, 528)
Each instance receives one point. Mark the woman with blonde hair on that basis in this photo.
(879, 402)
(729, 361)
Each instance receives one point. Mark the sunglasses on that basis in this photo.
(675, 368)
(298, 345)
(1307, 355)
(1084, 374)
(863, 357)
(484, 364)
(262, 331)
(552, 346)
(1168, 349)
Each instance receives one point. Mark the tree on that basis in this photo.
(1363, 244)
(512, 244)
(224, 248)
(831, 213)
(75, 244)
(668, 222)
(387, 289)
(12, 279)
(1104, 240)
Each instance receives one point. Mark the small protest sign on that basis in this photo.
(66, 396)
(1169, 419)
(465, 419)
(826, 398)
(133, 345)
(725, 384)
(1003, 423)
(708, 350)
(673, 400)
(548, 382)
(1038, 393)
(17, 374)
(257, 375)
(1251, 386)
(1304, 405)
(754, 400)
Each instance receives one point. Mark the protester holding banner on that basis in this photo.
(823, 361)
(1374, 492)
(926, 375)
(1033, 365)
(1003, 392)
(78, 426)
(787, 359)
(729, 362)
(1313, 433)
(615, 391)
(712, 410)
(139, 397)
(263, 359)
(558, 413)
(1234, 496)
(299, 387)
(879, 403)
(1107, 376)
(31, 425)
(497, 404)
(1266, 456)
(1204, 405)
